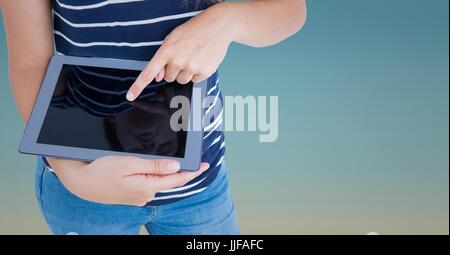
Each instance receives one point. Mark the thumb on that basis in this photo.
(135, 165)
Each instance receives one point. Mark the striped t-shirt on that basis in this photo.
(134, 30)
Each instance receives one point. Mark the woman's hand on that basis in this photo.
(121, 180)
(191, 52)
(194, 50)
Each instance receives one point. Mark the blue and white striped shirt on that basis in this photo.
(134, 30)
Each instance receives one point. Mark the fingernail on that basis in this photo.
(206, 166)
(130, 96)
(173, 166)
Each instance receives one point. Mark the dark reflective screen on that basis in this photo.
(88, 109)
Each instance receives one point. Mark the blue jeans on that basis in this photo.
(208, 212)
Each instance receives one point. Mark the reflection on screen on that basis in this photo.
(88, 109)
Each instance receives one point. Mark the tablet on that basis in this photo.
(81, 113)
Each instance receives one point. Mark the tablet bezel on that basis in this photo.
(194, 140)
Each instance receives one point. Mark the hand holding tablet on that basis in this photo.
(122, 180)
(82, 113)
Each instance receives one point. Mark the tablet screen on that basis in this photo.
(88, 109)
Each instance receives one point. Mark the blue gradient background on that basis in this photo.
(363, 133)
